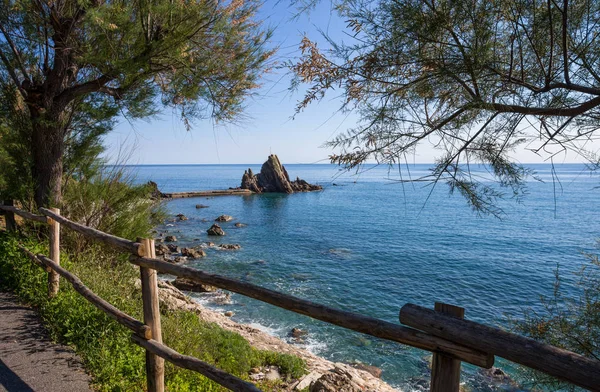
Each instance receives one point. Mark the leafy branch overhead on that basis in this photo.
(474, 78)
(202, 58)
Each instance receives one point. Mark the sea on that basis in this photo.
(370, 243)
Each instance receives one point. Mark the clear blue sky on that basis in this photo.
(267, 126)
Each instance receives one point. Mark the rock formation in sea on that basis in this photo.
(274, 178)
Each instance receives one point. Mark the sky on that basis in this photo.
(269, 124)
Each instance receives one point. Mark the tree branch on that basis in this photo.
(15, 52)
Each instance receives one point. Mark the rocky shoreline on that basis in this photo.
(323, 376)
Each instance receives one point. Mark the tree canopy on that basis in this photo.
(474, 78)
(66, 63)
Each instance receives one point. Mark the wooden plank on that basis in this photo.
(187, 362)
(155, 365)
(54, 242)
(134, 325)
(445, 371)
(23, 214)
(356, 322)
(129, 246)
(563, 364)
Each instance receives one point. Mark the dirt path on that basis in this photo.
(29, 360)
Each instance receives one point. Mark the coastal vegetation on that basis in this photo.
(105, 346)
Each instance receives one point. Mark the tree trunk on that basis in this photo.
(47, 152)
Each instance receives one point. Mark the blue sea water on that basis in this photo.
(369, 244)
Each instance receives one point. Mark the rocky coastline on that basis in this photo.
(323, 375)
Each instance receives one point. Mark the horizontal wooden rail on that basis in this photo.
(563, 364)
(129, 246)
(136, 326)
(25, 214)
(356, 322)
(185, 361)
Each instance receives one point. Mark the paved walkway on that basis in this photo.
(29, 360)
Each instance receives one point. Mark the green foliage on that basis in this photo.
(472, 79)
(568, 322)
(115, 363)
(106, 199)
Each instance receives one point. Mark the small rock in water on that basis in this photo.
(215, 230)
(230, 246)
(180, 259)
(239, 224)
(229, 313)
(298, 333)
(181, 217)
(224, 218)
(170, 238)
(198, 206)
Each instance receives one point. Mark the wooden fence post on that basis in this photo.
(155, 365)
(54, 239)
(9, 217)
(445, 371)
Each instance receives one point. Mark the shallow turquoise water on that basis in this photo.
(369, 245)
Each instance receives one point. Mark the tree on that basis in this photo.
(475, 78)
(60, 57)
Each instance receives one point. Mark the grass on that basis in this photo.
(115, 363)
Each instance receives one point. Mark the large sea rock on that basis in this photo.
(274, 178)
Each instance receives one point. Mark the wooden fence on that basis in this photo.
(442, 331)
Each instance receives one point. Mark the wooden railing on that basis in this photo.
(442, 331)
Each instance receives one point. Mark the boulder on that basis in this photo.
(188, 285)
(230, 246)
(198, 206)
(224, 218)
(274, 178)
(229, 313)
(333, 382)
(170, 238)
(238, 224)
(192, 253)
(215, 230)
(161, 249)
(181, 217)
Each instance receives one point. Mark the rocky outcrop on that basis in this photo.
(344, 376)
(155, 193)
(188, 285)
(193, 253)
(274, 178)
(224, 218)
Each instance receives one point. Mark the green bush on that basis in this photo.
(115, 363)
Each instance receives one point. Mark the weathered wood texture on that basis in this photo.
(224, 192)
(54, 239)
(563, 364)
(445, 371)
(353, 321)
(129, 246)
(23, 214)
(136, 326)
(225, 379)
(155, 365)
